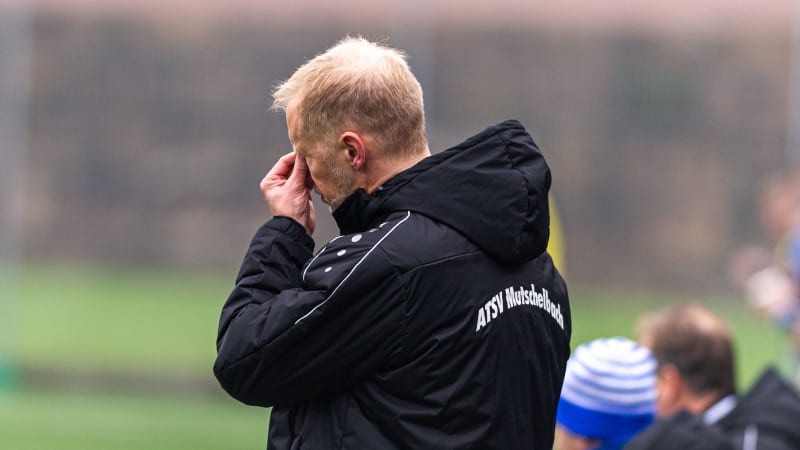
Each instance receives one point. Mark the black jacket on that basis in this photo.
(767, 417)
(435, 321)
(683, 431)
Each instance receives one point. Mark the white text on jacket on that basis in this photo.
(517, 297)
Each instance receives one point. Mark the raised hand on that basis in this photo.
(287, 189)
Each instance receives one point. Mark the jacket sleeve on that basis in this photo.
(282, 339)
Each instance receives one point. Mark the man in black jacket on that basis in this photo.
(694, 351)
(437, 319)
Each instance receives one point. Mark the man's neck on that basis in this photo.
(699, 404)
(385, 170)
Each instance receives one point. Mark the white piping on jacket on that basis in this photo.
(408, 214)
(750, 441)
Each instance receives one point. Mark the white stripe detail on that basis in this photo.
(312, 261)
(610, 402)
(634, 377)
(720, 409)
(408, 214)
(613, 358)
(750, 440)
(611, 375)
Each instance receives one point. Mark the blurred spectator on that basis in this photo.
(770, 280)
(608, 395)
(779, 210)
(695, 374)
(769, 289)
(778, 205)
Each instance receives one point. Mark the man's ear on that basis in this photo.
(670, 389)
(356, 150)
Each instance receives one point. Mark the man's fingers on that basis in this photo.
(301, 175)
(299, 171)
(280, 172)
(283, 168)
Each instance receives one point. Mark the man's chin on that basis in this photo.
(332, 204)
(335, 203)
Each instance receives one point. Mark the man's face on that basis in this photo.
(333, 178)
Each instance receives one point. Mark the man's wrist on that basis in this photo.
(293, 215)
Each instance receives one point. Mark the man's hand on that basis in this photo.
(287, 189)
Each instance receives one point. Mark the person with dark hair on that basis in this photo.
(694, 351)
(695, 356)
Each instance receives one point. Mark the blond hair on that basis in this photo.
(360, 84)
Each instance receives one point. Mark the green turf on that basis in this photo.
(118, 318)
(53, 421)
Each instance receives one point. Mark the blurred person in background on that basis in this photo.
(780, 216)
(695, 376)
(770, 280)
(437, 318)
(609, 395)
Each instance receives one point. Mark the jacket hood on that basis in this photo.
(773, 405)
(492, 188)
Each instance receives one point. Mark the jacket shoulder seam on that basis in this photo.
(442, 260)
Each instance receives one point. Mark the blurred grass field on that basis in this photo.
(143, 320)
(154, 322)
(79, 421)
